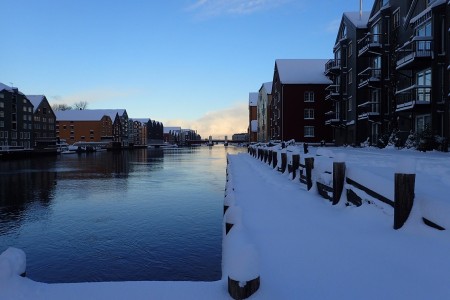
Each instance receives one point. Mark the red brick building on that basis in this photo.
(298, 101)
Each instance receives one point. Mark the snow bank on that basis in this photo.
(12, 263)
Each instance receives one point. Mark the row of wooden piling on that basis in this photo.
(404, 183)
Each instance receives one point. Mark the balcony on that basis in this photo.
(369, 110)
(412, 97)
(333, 67)
(333, 119)
(415, 54)
(333, 92)
(371, 44)
(370, 77)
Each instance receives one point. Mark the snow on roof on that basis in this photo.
(87, 114)
(7, 88)
(35, 100)
(168, 129)
(252, 99)
(267, 87)
(302, 71)
(360, 21)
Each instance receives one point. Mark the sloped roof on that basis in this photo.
(168, 129)
(360, 21)
(252, 99)
(7, 88)
(267, 87)
(87, 114)
(35, 100)
(302, 71)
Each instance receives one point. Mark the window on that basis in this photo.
(309, 96)
(422, 122)
(309, 113)
(396, 17)
(424, 30)
(350, 103)
(376, 31)
(30, 109)
(309, 131)
(24, 117)
(350, 76)
(2, 124)
(2, 114)
(2, 95)
(44, 110)
(350, 49)
(423, 82)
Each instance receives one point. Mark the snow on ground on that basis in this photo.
(302, 246)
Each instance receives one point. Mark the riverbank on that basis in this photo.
(305, 247)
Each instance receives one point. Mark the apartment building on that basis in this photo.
(263, 112)
(298, 101)
(16, 119)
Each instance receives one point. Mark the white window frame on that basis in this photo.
(307, 131)
(309, 96)
(308, 114)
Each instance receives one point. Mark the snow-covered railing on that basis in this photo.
(332, 178)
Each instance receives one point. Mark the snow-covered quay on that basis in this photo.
(300, 245)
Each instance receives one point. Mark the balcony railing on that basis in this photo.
(416, 50)
(413, 95)
(333, 66)
(368, 76)
(368, 110)
(372, 41)
(333, 118)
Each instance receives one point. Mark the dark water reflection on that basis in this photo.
(137, 215)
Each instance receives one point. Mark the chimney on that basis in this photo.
(360, 9)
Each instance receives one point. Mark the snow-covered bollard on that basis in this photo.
(274, 159)
(232, 217)
(338, 177)
(309, 166)
(405, 177)
(13, 262)
(269, 157)
(282, 169)
(295, 165)
(242, 266)
(228, 201)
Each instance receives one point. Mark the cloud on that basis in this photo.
(212, 8)
(218, 124)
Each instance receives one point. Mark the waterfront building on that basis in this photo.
(298, 101)
(88, 125)
(397, 81)
(44, 122)
(16, 119)
(343, 93)
(263, 109)
(240, 137)
(252, 117)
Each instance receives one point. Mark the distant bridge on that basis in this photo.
(214, 141)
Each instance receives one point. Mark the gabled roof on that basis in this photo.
(35, 100)
(173, 129)
(302, 71)
(87, 114)
(267, 87)
(8, 88)
(252, 99)
(428, 9)
(357, 19)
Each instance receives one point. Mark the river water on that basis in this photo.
(148, 214)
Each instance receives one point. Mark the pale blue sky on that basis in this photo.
(188, 62)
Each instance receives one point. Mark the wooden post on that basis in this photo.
(238, 292)
(274, 159)
(338, 180)
(295, 164)
(265, 155)
(309, 164)
(283, 162)
(403, 198)
(269, 158)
